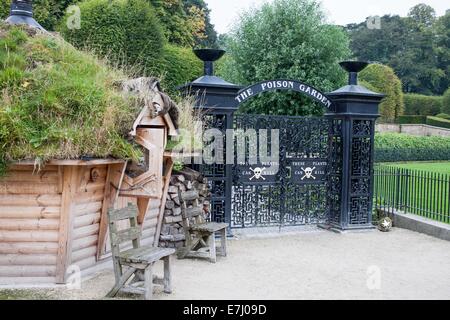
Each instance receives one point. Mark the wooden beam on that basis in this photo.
(114, 179)
(167, 176)
(65, 225)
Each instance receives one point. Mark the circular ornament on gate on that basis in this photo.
(385, 224)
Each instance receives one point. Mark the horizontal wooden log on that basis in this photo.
(16, 212)
(28, 247)
(27, 271)
(86, 263)
(149, 233)
(150, 223)
(84, 253)
(89, 197)
(31, 167)
(28, 259)
(28, 188)
(29, 224)
(27, 280)
(92, 187)
(40, 200)
(86, 231)
(86, 220)
(84, 243)
(28, 236)
(29, 176)
(87, 208)
(151, 214)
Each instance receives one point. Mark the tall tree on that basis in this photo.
(415, 46)
(286, 39)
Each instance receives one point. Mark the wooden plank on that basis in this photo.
(55, 162)
(28, 247)
(126, 235)
(167, 176)
(66, 223)
(142, 204)
(39, 200)
(28, 259)
(28, 188)
(86, 220)
(86, 231)
(28, 176)
(29, 224)
(28, 236)
(121, 214)
(16, 212)
(27, 271)
(31, 167)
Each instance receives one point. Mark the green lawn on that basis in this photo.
(421, 188)
(437, 167)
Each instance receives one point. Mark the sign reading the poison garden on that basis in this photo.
(272, 85)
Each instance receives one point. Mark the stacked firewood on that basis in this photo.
(172, 233)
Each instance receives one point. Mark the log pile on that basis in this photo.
(172, 233)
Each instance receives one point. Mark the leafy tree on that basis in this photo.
(209, 37)
(286, 39)
(381, 78)
(416, 47)
(174, 21)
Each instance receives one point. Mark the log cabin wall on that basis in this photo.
(50, 220)
(30, 210)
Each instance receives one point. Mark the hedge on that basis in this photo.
(179, 65)
(417, 104)
(127, 32)
(444, 116)
(381, 78)
(412, 119)
(394, 147)
(446, 102)
(438, 122)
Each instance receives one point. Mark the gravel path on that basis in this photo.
(308, 265)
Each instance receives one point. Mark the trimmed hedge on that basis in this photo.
(394, 147)
(412, 119)
(417, 104)
(125, 31)
(438, 122)
(444, 116)
(381, 78)
(446, 102)
(180, 66)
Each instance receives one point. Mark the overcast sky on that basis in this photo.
(224, 12)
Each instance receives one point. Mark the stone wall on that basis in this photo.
(414, 129)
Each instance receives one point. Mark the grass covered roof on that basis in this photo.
(58, 102)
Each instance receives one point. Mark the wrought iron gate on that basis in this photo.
(296, 193)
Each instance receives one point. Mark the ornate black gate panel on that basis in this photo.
(292, 191)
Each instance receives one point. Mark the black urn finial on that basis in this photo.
(21, 12)
(209, 56)
(353, 67)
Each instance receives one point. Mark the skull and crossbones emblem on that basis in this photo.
(308, 173)
(257, 173)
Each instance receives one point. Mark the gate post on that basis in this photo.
(216, 99)
(352, 152)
